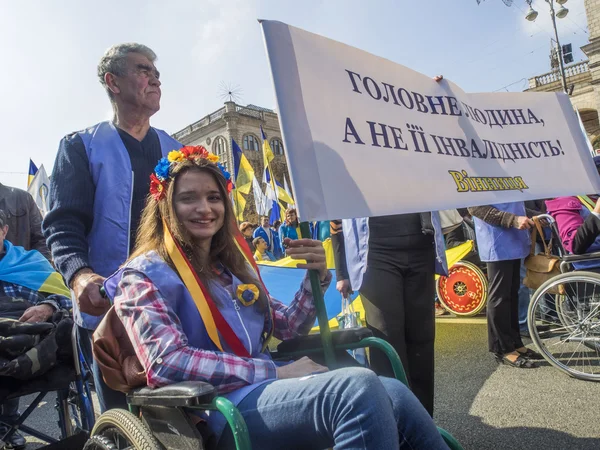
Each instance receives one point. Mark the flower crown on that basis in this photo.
(159, 180)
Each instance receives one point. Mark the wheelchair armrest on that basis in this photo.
(313, 341)
(185, 393)
(579, 258)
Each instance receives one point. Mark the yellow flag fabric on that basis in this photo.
(54, 284)
(239, 204)
(268, 155)
(284, 196)
(243, 171)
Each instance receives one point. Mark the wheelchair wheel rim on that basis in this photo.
(464, 291)
(566, 327)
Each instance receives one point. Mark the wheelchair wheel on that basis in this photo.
(119, 429)
(464, 291)
(565, 326)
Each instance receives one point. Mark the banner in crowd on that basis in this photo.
(39, 188)
(365, 136)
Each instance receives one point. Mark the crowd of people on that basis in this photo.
(149, 220)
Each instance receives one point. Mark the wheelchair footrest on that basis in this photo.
(313, 341)
(185, 393)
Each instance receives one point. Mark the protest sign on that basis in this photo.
(366, 137)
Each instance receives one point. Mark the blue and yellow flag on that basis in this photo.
(283, 195)
(243, 171)
(30, 269)
(32, 171)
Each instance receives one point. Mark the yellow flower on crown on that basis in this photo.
(175, 156)
(213, 158)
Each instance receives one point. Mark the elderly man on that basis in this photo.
(30, 291)
(99, 185)
(24, 219)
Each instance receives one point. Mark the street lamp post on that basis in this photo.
(561, 13)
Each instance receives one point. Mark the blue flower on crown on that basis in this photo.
(162, 169)
(226, 174)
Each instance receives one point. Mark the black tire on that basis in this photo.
(117, 424)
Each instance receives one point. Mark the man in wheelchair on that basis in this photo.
(31, 292)
(192, 303)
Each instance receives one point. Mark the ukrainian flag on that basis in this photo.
(283, 195)
(243, 171)
(32, 171)
(31, 270)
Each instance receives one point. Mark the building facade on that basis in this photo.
(583, 78)
(242, 124)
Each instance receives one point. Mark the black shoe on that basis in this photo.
(531, 354)
(16, 440)
(520, 363)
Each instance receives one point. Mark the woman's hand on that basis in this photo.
(343, 286)
(523, 223)
(304, 366)
(309, 250)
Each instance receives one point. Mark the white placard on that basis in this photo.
(368, 137)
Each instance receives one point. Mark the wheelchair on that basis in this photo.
(564, 314)
(157, 418)
(73, 401)
(463, 292)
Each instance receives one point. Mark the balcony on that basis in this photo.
(554, 77)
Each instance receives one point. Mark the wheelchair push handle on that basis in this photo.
(547, 218)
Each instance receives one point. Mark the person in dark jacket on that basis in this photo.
(24, 220)
(397, 292)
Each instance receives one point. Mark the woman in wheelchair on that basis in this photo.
(578, 227)
(194, 308)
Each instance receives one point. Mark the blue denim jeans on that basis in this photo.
(349, 408)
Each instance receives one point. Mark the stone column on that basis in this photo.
(592, 50)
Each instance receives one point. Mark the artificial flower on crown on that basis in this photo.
(160, 178)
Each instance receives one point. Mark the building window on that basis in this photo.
(220, 147)
(277, 146)
(251, 143)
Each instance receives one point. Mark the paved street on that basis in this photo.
(487, 406)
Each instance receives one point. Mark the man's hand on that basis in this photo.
(86, 287)
(523, 223)
(39, 313)
(311, 251)
(304, 366)
(344, 288)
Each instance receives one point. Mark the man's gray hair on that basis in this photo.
(114, 60)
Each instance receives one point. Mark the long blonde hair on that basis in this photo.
(223, 249)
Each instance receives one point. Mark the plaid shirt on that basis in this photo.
(163, 349)
(34, 297)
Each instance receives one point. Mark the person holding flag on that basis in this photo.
(192, 281)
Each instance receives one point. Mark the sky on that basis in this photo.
(49, 87)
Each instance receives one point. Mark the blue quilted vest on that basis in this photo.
(110, 167)
(248, 323)
(496, 243)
